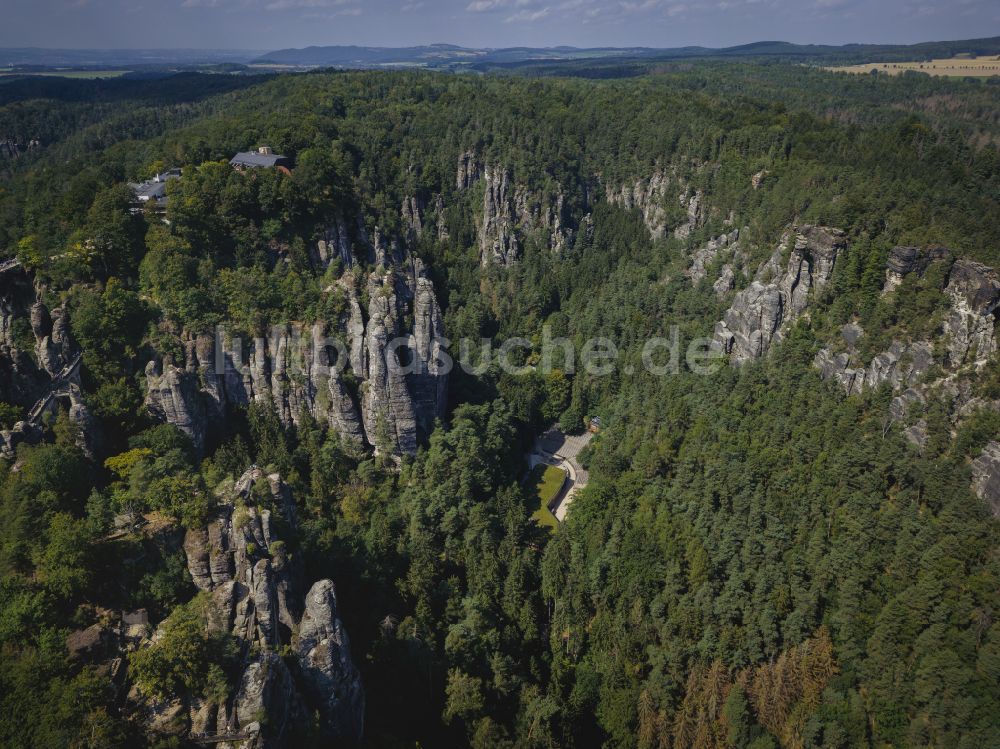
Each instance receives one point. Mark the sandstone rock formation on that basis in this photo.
(324, 651)
(543, 213)
(967, 331)
(28, 362)
(693, 205)
(334, 243)
(761, 314)
(905, 260)
(901, 365)
(411, 214)
(966, 336)
(370, 382)
(510, 212)
(42, 378)
(428, 382)
(650, 196)
(703, 257)
(498, 242)
(386, 404)
(172, 396)
(986, 477)
(257, 596)
(440, 221)
(974, 290)
(469, 170)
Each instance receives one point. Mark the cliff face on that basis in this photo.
(653, 195)
(961, 347)
(974, 291)
(498, 242)
(986, 477)
(39, 367)
(901, 365)
(762, 313)
(725, 246)
(647, 195)
(258, 597)
(905, 260)
(335, 243)
(386, 403)
(28, 362)
(375, 382)
(511, 212)
(966, 336)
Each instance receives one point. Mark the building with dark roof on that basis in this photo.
(262, 158)
(154, 190)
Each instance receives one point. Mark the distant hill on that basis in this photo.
(31, 56)
(354, 56)
(447, 55)
(597, 61)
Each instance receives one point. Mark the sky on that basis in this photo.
(276, 24)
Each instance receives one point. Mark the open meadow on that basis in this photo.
(981, 67)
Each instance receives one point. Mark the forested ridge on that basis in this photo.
(761, 558)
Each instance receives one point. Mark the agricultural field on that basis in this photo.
(956, 67)
(83, 74)
(544, 483)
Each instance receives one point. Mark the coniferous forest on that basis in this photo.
(200, 541)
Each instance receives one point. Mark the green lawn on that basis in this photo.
(544, 482)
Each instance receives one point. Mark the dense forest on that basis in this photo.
(761, 558)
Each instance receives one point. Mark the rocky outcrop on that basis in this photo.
(428, 382)
(172, 395)
(543, 213)
(901, 365)
(334, 243)
(47, 379)
(726, 281)
(511, 212)
(498, 242)
(55, 349)
(693, 207)
(386, 404)
(411, 214)
(966, 336)
(469, 170)
(267, 691)
(986, 477)
(385, 250)
(90, 437)
(974, 291)
(440, 222)
(256, 594)
(22, 432)
(905, 260)
(35, 344)
(703, 257)
(649, 196)
(332, 680)
(12, 149)
(761, 314)
(371, 382)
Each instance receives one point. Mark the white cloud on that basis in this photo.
(481, 6)
(347, 7)
(527, 16)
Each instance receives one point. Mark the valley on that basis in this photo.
(325, 456)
